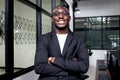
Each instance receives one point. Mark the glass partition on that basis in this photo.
(100, 32)
(94, 32)
(111, 32)
(46, 20)
(2, 36)
(58, 2)
(24, 35)
(46, 24)
(33, 1)
(94, 39)
(80, 23)
(46, 4)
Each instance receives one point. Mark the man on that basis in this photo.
(61, 54)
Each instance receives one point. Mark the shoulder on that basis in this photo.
(44, 37)
(43, 40)
(46, 34)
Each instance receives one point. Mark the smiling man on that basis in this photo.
(61, 54)
(61, 18)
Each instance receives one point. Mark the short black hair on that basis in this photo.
(64, 4)
(60, 6)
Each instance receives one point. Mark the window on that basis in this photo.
(100, 32)
(24, 35)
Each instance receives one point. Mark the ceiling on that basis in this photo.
(98, 7)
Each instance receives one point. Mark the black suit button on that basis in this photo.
(60, 77)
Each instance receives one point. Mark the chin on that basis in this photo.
(61, 28)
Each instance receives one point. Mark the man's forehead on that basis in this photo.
(60, 7)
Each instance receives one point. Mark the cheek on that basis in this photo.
(54, 19)
(67, 18)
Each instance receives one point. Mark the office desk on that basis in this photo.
(114, 64)
(102, 70)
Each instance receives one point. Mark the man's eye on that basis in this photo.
(65, 13)
(55, 14)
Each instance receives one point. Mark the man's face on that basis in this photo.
(60, 17)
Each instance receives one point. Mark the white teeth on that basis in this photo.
(61, 22)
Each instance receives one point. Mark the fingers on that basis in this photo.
(51, 60)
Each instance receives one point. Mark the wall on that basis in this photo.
(97, 54)
(90, 8)
(71, 13)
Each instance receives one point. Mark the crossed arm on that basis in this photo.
(52, 59)
(55, 64)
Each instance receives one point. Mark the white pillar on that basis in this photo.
(70, 2)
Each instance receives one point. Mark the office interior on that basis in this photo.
(22, 22)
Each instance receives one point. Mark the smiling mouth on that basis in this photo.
(61, 22)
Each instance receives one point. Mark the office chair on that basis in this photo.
(84, 76)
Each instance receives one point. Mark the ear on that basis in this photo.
(69, 18)
(52, 19)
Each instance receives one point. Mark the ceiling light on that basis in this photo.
(77, 11)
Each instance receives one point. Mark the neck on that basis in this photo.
(64, 31)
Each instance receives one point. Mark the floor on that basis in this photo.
(2, 70)
(91, 72)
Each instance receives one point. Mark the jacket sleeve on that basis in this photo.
(81, 64)
(41, 60)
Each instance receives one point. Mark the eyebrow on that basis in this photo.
(58, 11)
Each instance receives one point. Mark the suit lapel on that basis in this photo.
(55, 44)
(67, 43)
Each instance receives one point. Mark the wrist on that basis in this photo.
(53, 59)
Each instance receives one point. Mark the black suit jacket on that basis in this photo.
(65, 66)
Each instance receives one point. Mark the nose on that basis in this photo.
(61, 15)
